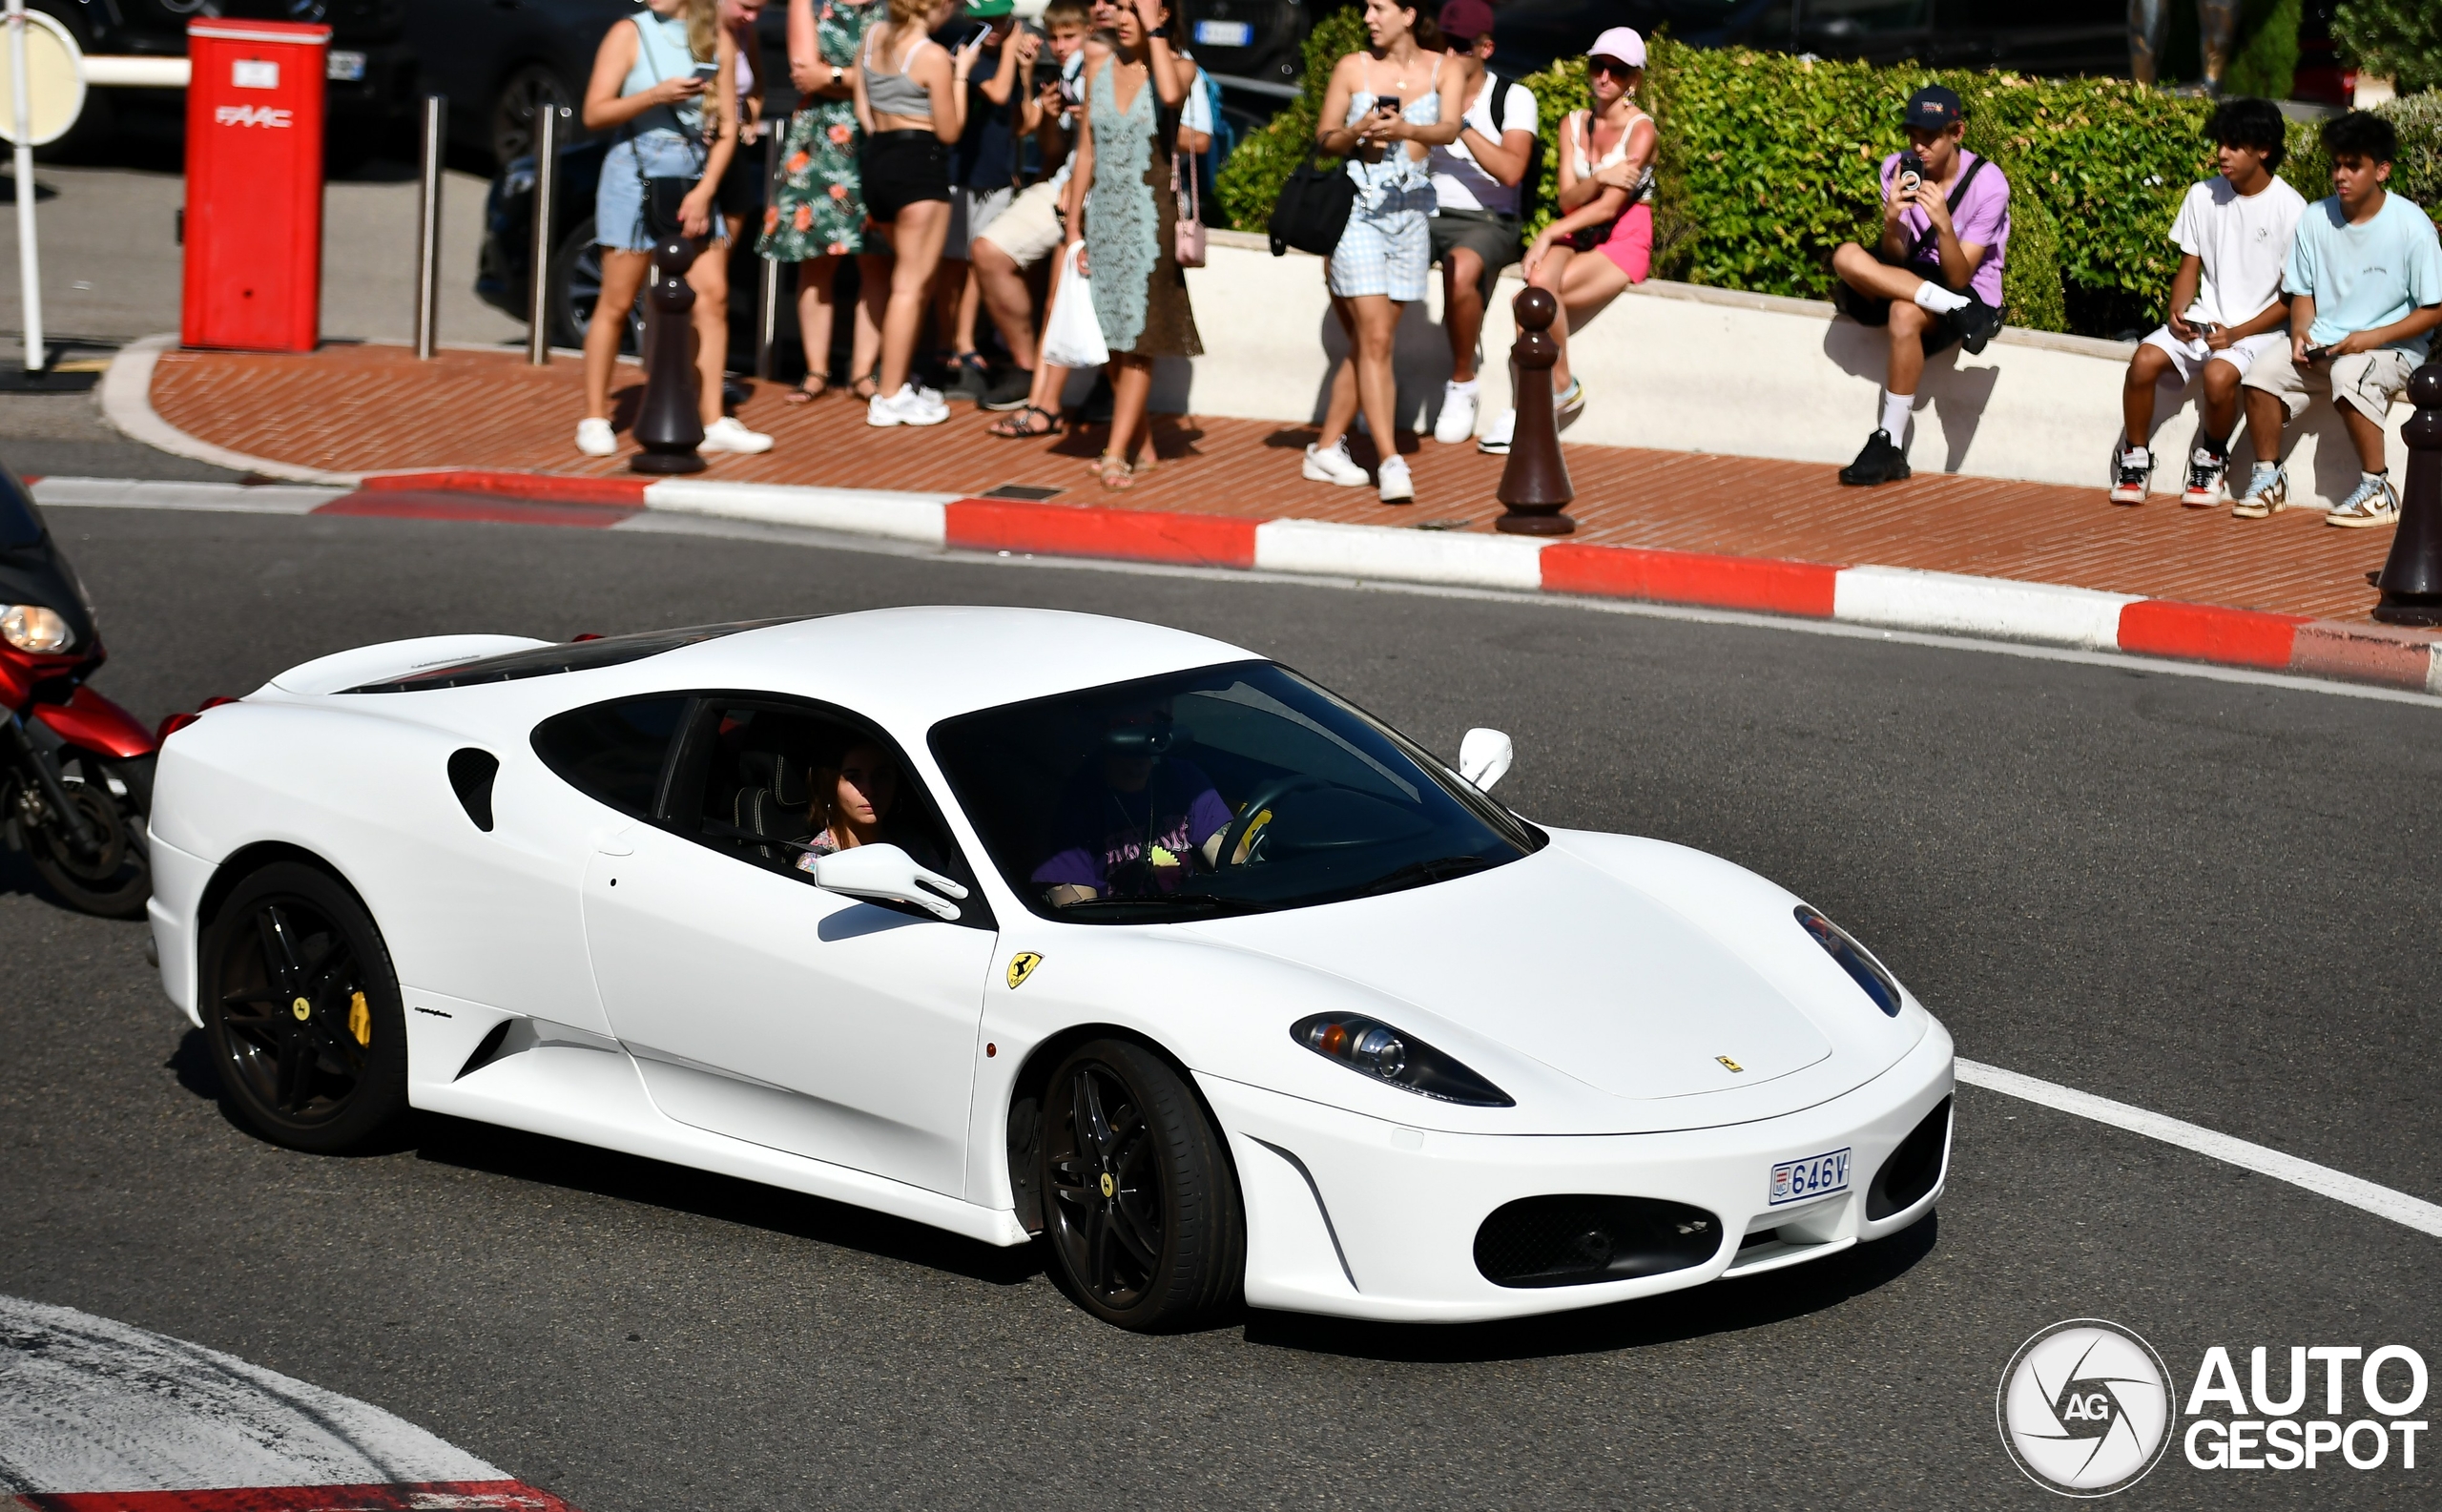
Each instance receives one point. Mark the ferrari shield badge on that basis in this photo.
(1022, 966)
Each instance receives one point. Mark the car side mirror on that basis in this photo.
(1484, 756)
(885, 871)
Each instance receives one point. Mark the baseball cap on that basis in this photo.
(989, 10)
(1622, 43)
(1465, 20)
(1933, 108)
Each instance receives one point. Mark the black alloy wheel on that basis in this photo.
(576, 287)
(114, 877)
(530, 88)
(1141, 1206)
(302, 1010)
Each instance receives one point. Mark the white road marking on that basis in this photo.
(90, 1404)
(2414, 1213)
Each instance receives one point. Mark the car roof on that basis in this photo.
(914, 667)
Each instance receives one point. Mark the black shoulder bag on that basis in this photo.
(1313, 209)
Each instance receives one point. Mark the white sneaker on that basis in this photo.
(594, 439)
(906, 407)
(1335, 466)
(1458, 420)
(726, 434)
(2374, 502)
(1569, 404)
(1398, 488)
(1495, 441)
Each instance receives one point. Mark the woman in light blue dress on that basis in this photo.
(1394, 103)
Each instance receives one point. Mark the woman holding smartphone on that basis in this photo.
(911, 99)
(665, 84)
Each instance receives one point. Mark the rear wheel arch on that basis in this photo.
(246, 860)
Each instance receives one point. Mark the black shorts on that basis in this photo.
(1872, 309)
(740, 192)
(1492, 237)
(904, 168)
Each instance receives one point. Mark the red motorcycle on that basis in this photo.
(75, 769)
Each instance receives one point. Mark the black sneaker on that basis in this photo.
(1010, 392)
(1881, 462)
(1977, 324)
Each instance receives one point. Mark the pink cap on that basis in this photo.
(1622, 43)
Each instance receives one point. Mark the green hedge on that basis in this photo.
(1768, 164)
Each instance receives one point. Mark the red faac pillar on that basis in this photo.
(254, 215)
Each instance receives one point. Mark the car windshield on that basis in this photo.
(1229, 790)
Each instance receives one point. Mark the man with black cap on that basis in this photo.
(1936, 275)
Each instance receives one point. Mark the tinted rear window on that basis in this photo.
(575, 655)
(612, 751)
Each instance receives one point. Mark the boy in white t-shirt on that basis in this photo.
(1476, 184)
(2227, 307)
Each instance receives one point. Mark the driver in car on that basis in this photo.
(1137, 821)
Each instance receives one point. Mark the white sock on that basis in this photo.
(2265, 470)
(1938, 299)
(2138, 455)
(1895, 415)
(2375, 477)
(1467, 388)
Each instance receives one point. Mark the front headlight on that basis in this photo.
(1867, 971)
(1374, 1049)
(33, 628)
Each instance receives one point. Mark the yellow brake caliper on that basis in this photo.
(360, 1019)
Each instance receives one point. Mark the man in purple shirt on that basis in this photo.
(1936, 275)
(1135, 822)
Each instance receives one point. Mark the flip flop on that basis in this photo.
(803, 395)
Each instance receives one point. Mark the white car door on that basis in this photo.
(759, 1006)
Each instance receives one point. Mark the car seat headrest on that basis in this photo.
(791, 785)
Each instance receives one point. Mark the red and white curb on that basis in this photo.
(99, 1416)
(1887, 597)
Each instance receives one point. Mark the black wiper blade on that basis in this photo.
(1415, 874)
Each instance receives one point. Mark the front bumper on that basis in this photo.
(1356, 1217)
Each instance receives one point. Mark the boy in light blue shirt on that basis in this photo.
(2365, 281)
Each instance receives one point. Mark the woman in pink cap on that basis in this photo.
(1605, 168)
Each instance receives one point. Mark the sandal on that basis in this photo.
(816, 385)
(1020, 426)
(1142, 468)
(1113, 473)
(867, 386)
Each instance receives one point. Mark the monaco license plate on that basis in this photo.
(348, 68)
(1224, 33)
(1815, 1177)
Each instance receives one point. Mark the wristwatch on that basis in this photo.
(836, 74)
(1162, 32)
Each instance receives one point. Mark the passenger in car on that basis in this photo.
(852, 802)
(1135, 819)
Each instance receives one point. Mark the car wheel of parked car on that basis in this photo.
(529, 88)
(302, 1007)
(1141, 1204)
(576, 286)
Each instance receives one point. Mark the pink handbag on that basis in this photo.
(1188, 242)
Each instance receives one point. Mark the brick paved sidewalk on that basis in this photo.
(375, 408)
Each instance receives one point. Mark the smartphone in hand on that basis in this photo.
(1910, 174)
(706, 73)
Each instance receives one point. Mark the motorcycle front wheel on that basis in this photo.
(115, 880)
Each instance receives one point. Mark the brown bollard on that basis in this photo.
(2412, 575)
(1535, 483)
(667, 425)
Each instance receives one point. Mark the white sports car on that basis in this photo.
(1023, 923)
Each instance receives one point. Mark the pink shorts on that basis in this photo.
(1631, 243)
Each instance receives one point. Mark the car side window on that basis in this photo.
(613, 752)
(775, 782)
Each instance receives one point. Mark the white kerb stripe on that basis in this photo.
(136, 493)
(1400, 556)
(2414, 1213)
(1958, 604)
(918, 517)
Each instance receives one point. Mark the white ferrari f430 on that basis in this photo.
(1035, 925)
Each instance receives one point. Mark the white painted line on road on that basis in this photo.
(2414, 1213)
(216, 498)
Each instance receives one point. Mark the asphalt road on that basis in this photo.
(2211, 899)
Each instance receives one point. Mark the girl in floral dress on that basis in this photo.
(818, 216)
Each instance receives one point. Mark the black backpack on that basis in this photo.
(1313, 209)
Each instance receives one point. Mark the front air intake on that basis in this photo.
(1914, 1168)
(1581, 1240)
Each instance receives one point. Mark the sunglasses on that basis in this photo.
(1611, 66)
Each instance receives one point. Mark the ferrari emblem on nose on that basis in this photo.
(1726, 1061)
(302, 1009)
(1022, 966)
(1108, 1186)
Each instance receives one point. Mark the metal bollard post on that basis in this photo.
(767, 279)
(548, 122)
(436, 112)
(2412, 575)
(1534, 482)
(668, 426)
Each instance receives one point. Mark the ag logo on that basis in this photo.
(1022, 966)
(2086, 1408)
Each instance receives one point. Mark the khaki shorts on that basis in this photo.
(2365, 382)
(1029, 229)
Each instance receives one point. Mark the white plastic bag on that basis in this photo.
(1073, 336)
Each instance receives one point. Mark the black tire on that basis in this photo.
(529, 87)
(1141, 1207)
(114, 883)
(334, 1078)
(576, 286)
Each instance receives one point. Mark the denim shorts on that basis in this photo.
(619, 197)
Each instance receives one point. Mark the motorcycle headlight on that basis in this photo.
(1867, 971)
(33, 628)
(1373, 1049)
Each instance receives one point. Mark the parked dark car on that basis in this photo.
(374, 79)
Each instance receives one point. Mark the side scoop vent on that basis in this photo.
(470, 777)
(1912, 1168)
